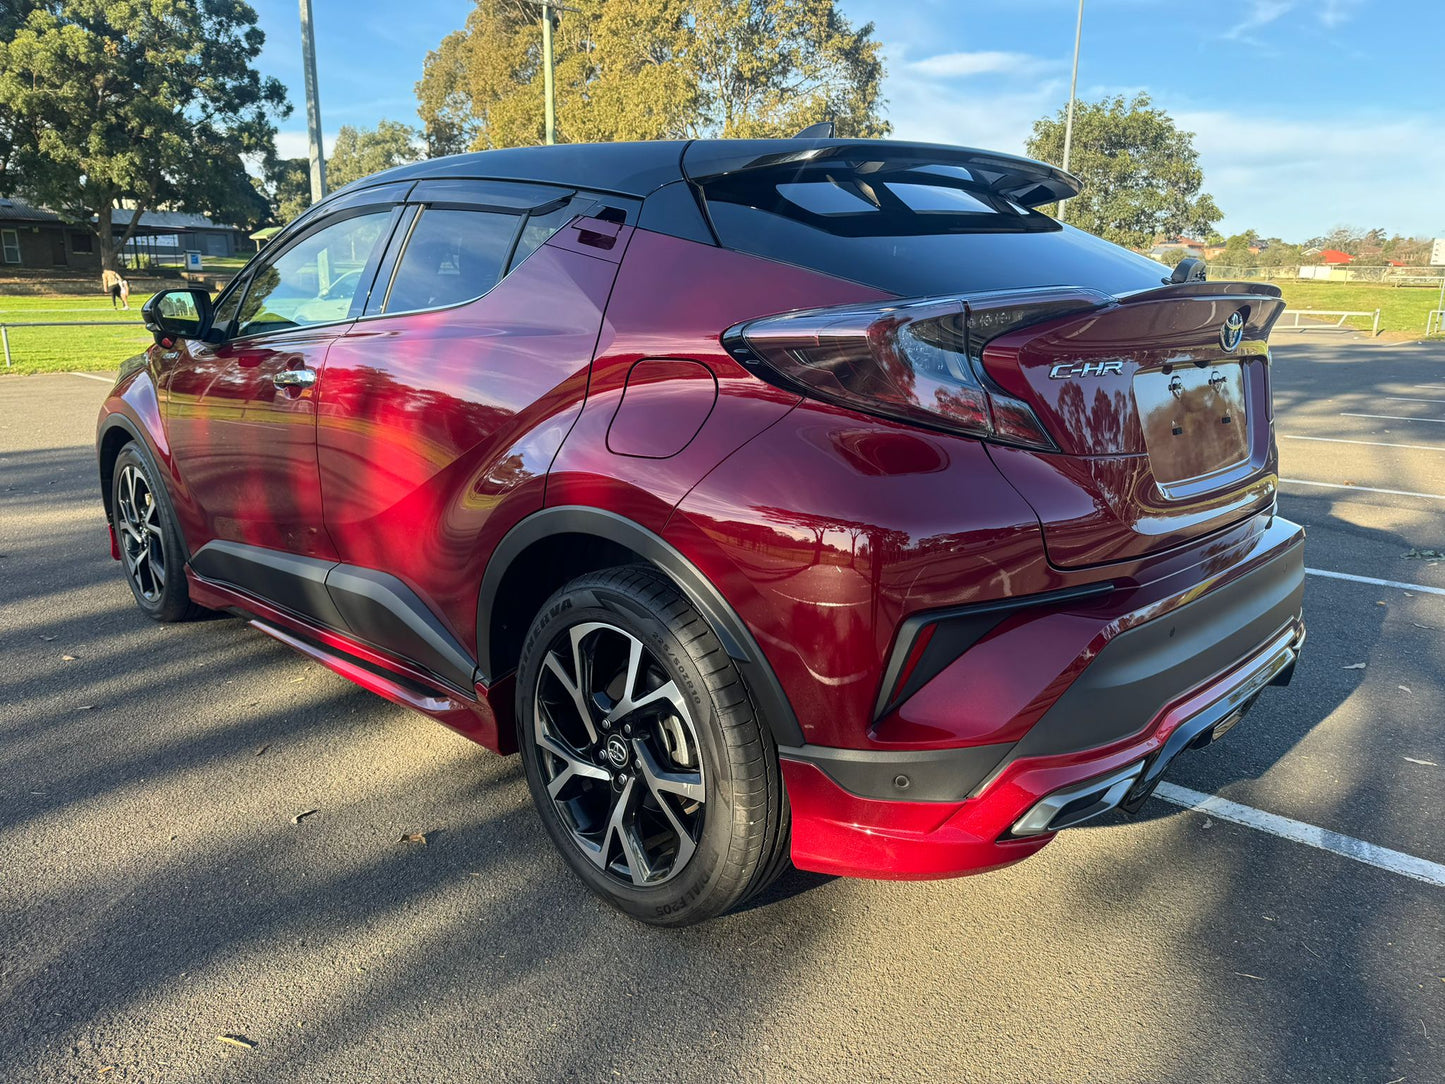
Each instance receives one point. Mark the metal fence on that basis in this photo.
(1319, 322)
(1383, 276)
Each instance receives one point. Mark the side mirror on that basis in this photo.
(178, 314)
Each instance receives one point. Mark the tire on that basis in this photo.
(150, 542)
(652, 773)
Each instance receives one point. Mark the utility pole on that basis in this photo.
(549, 90)
(1073, 87)
(313, 105)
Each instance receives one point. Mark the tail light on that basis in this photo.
(917, 361)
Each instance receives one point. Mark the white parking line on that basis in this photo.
(1392, 417)
(92, 376)
(1371, 443)
(1375, 582)
(1406, 865)
(1403, 399)
(1365, 489)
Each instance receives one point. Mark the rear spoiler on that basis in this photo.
(1022, 180)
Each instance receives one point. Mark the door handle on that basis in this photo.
(294, 378)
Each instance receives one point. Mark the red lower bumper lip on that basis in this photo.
(114, 543)
(840, 833)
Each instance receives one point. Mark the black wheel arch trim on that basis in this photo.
(137, 437)
(737, 640)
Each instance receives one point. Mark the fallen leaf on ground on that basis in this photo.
(47, 639)
(303, 815)
(1354, 666)
(1405, 689)
(1420, 626)
(1427, 763)
(237, 1040)
(1424, 555)
(413, 837)
(263, 749)
(68, 658)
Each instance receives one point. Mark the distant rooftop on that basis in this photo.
(14, 209)
(17, 210)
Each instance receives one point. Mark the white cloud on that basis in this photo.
(294, 143)
(1336, 12)
(1296, 179)
(963, 65)
(1261, 13)
(1329, 13)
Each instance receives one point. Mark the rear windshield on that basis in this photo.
(913, 231)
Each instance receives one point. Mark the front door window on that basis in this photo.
(314, 281)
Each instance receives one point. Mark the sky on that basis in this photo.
(1307, 114)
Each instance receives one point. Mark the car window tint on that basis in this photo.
(226, 309)
(540, 227)
(826, 198)
(315, 280)
(941, 198)
(451, 256)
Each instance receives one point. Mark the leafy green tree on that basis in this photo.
(153, 102)
(1237, 251)
(286, 185)
(1141, 174)
(360, 152)
(652, 69)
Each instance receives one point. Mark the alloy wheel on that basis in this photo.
(138, 526)
(619, 753)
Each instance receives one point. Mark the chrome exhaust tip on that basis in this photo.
(1078, 803)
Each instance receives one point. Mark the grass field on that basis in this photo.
(1402, 308)
(62, 349)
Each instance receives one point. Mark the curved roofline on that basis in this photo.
(638, 169)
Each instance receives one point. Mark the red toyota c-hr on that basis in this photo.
(803, 499)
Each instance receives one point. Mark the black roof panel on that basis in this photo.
(628, 169)
(637, 169)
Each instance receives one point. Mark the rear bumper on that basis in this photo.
(1171, 682)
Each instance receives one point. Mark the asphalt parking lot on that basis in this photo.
(155, 893)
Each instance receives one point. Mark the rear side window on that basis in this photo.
(451, 256)
(540, 227)
(912, 231)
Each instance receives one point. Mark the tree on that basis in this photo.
(153, 103)
(652, 69)
(286, 185)
(1141, 174)
(1237, 251)
(360, 152)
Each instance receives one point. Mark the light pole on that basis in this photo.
(549, 90)
(313, 105)
(1073, 87)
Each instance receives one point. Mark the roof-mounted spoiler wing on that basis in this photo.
(1022, 180)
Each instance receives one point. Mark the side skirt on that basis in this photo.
(372, 606)
(472, 717)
